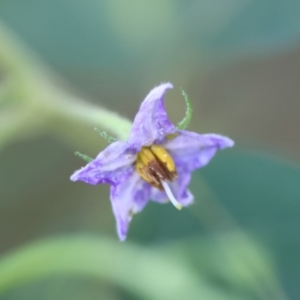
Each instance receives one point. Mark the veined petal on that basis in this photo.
(128, 198)
(113, 165)
(191, 151)
(151, 123)
(178, 188)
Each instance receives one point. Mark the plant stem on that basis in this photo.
(57, 109)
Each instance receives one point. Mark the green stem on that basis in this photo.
(32, 87)
(70, 109)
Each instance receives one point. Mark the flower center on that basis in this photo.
(156, 166)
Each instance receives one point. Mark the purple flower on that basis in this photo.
(155, 163)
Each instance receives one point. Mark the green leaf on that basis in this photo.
(214, 29)
(145, 272)
(230, 260)
(262, 193)
(261, 190)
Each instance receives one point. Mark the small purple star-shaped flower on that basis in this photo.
(155, 163)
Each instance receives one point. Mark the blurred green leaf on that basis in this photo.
(232, 29)
(131, 267)
(16, 124)
(107, 33)
(262, 192)
(65, 288)
(231, 261)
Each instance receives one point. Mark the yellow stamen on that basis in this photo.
(156, 166)
(164, 157)
(146, 156)
(147, 174)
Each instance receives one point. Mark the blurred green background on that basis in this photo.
(239, 62)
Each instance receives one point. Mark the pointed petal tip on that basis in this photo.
(151, 122)
(122, 234)
(219, 140)
(229, 142)
(158, 91)
(167, 85)
(74, 177)
(187, 199)
(122, 239)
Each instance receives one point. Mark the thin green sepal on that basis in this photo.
(83, 156)
(106, 136)
(188, 114)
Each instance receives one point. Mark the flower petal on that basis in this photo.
(191, 151)
(178, 188)
(128, 198)
(113, 165)
(151, 123)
